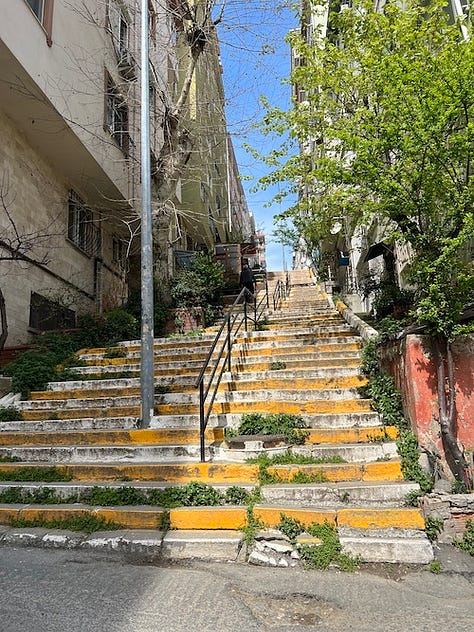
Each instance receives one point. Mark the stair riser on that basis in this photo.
(173, 473)
(105, 454)
(263, 383)
(311, 495)
(110, 438)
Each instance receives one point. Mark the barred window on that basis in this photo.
(116, 115)
(81, 229)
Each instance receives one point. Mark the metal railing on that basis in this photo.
(279, 294)
(233, 321)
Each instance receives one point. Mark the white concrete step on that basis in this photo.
(361, 494)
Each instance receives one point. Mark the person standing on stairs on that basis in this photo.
(247, 279)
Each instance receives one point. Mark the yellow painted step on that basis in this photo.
(352, 435)
(299, 384)
(219, 517)
(179, 473)
(338, 472)
(81, 413)
(271, 516)
(273, 406)
(361, 518)
(239, 385)
(149, 436)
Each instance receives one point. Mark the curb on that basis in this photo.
(142, 545)
(365, 331)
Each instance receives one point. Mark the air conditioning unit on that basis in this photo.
(126, 64)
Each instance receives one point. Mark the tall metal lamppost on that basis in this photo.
(147, 352)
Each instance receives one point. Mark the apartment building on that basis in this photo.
(69, 124)
(70, 154)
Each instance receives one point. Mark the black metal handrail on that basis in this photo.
(278, 294)
(231, 324)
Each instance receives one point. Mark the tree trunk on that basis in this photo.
(447, 410)
(161, 246)
(3, 321)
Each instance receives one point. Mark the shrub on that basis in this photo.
(32, 371)
(280, 423)
(466, 543)
(200, 285)
(10, 413)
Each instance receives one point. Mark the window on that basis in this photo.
(46, 314)
(116, 115)
(37, 8)
(43, 10)
(118, 27)
(81, 229)
(119, 252)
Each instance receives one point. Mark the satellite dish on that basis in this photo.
(336, 228)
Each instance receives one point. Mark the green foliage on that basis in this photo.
(85, 522)
(292, 426)
(321, 556)
(433, 527)
(114, 496)
(45, 475)
(291, 527)
(51, 360)
(10, 413)
(41, 496)
(200, 285)
(160, 308)
(387, 297)
(392, 90)
(252, 526)
(387, 401)
(115, 352)
(277, 366)
(407, 445)
(466, 543)
(9, 459)
(32, 371)
(435, 567)
(290, 458)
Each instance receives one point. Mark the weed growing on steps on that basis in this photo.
(292, 426)
(288, 458)
(433, 527)
(86, 522)
(466, 543)
(277, 366)
(115, 352)
(435, 567)
(9, 459)
(252, 527)
(10, 413)
(193, 494)
(318, 556)
(45, 475)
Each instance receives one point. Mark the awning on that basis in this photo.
(376, 250)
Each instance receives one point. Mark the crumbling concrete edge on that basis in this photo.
(365, 331)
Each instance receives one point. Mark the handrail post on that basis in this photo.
(266, 292)
(245, 311)
(255, 312)
(202, 428)
(229, 347)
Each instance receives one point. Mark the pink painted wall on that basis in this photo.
(410, 362)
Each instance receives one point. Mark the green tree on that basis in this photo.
(386, 137)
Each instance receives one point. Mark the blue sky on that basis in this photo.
(256, 61)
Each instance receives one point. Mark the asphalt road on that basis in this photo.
(74, 591)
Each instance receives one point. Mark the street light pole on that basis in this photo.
(147, 351)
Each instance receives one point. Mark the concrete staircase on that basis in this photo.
(306, 362)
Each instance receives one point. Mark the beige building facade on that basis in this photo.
(70, 154)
